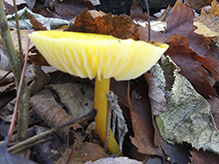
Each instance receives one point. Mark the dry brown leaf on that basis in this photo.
(36, 78)
(4, 61)
(23, 34)
(214, 8)
(197, 4)
(108, 24)
(36, 57)
(203, 157)
(117, 160)
(140, 112)
(192, 69)
(71, 96)
(156, 95)
(136, 12)
(83, 153)
(68, 9)
(182, 25)
(208, 26)
(37, 26)
(45, 106)
(214, 103)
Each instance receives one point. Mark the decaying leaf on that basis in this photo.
(203, 157)
(118, 119)
(37, 26)
(108, 24)
(24, 22)
(68, 9)
(156, 94)
(4, 62)
(36, 78)
(140, 112)
(71, 96)
(182, 25)
(48, 109)
(207, 23)
(118, 160)
(86, 151)
(197, 4)
(189, 118)
(214, 8)
(194, 67)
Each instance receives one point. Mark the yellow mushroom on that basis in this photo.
(101, 57)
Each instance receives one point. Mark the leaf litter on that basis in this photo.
(148, 97)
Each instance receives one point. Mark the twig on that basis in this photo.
(22, 101)
(149, 24)
(8, 45)
(16, 69)
(18, 34)
(35, 138)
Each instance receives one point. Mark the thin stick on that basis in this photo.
(149, 24)
(18, 34)
(10, 132)
(36, 137)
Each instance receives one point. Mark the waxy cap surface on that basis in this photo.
(94, 55)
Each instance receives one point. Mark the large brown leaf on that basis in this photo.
(181, 23)
(140, 112)
(191, 65)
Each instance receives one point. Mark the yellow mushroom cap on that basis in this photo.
(94, 55)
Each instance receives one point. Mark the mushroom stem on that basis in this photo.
(100, 104)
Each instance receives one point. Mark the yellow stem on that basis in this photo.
(100, 103)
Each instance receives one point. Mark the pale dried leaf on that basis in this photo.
(17, 2)
(4, 61)
(118, 160)
(71, 96)
(6, 83)
(45, 106)
(189, 118)
(36, 78)
(119, 120)
(85, 152)
(156, 95)
(24, 22)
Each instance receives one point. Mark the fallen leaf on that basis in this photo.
(68, 9)
(37, 26)
(84, 152)
(71, 96)
(140, 112)
(24, 22)
(203, 157)
(189, 118)
(36, 78)
(155, 36)
(156, 94)
(197, 4)
(108, 24)
(214, 103)
(117, 160)
(45, 106)
(4, 61)
(182, 25)
(191, 68)
(214, 8)
(136, 11)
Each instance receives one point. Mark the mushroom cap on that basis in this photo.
(94, 55)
